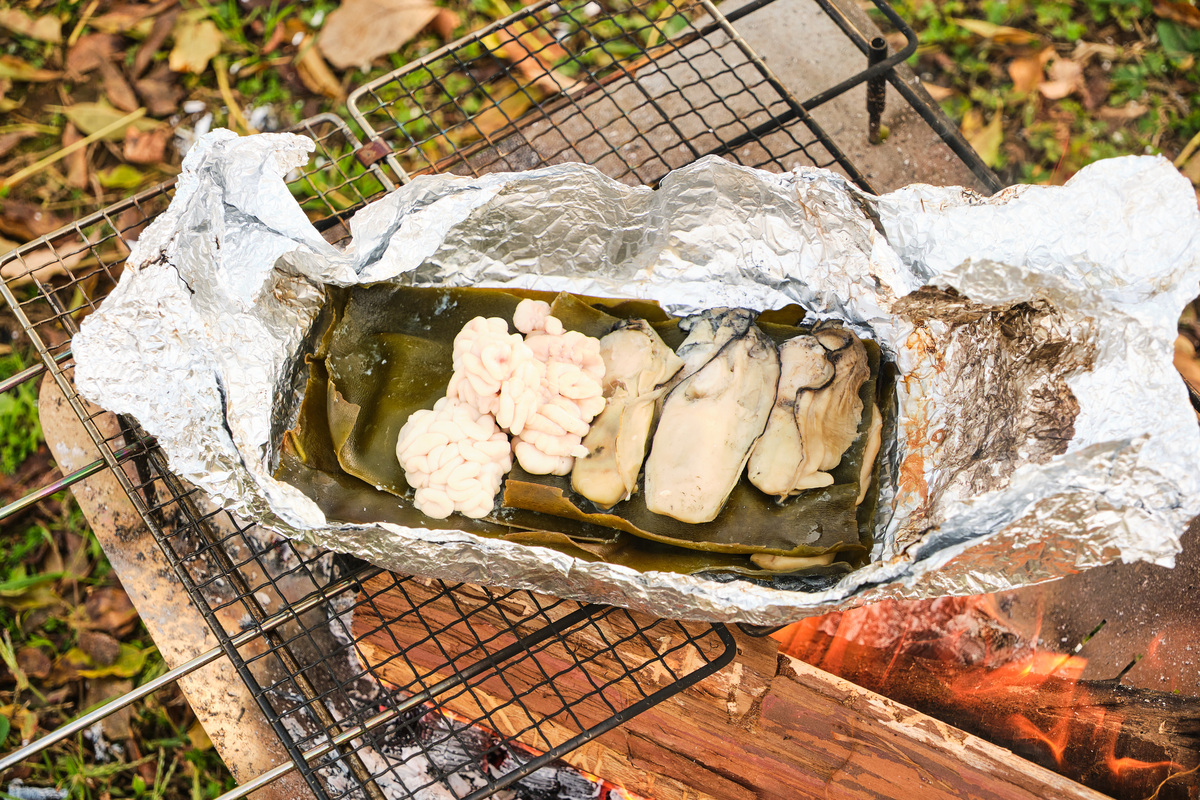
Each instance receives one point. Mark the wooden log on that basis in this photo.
(767, 726)
(221, 700)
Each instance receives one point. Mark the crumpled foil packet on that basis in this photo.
(1039, 427)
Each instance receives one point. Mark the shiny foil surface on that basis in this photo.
(1038, 426)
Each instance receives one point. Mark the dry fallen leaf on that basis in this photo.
(41, 264)
(146, 147)
(445, 23)
(117, 725)
(90, 52)
(1065, 77)
(21, 71)
(108, 608)
(33, 662)
(938, 93)
(196, 43)
(160, 91)
(360, 31)
(26, 221)
(45, 28)
(1026, 72)
(1000, 34)
(986, 139)
(1176, 11)
(1088, 50)
(117, 89)
(1131, 110)
(129, 18)
(77, 173)
(533, 55)
(496, 116)
(315, 74)
(101, 648)
(91, 117)
(154, 41)
(13, 138)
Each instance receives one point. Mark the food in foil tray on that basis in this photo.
(724, 442)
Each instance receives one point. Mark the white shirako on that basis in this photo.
(544, 389)
(455, 458)
(571, 392)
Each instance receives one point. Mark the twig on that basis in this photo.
(123, 122)
(83, 21)
(235, 113)
(1188, 149)
(1170, 777)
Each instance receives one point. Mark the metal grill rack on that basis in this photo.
(635, 93)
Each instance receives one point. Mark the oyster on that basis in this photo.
(816, 413)
(637, 366)
(712, 416)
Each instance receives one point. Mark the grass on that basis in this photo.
(1140, 92)
(1138, 89)
(20, 431)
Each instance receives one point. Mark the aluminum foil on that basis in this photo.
(1039, 426)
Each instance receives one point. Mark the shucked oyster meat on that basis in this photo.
(713, 415)
(816, 413)
(637, 366)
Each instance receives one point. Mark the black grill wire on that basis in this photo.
(634, 94)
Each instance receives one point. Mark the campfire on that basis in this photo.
(963, 660)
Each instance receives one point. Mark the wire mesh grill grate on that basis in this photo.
(635, 93)
(353, 727)
(380, 685)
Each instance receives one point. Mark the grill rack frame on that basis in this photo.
(187, 533)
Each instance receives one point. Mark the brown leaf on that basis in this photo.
(129, 17)
(359, 31)
(90, 52)
(1065, 77)
(109, 609)
(1026, 72)
(117, 89)
(315, 74)
(77, 172)
(1176, 11)
(41, 265)
(10, 140)
(986, 139)
(45, 28)
(117, 726)
(533, 55)
(160, 91)
(146, 147)
(1085, 51)
(938, 93)
(25, 221)
(445, 23)
(1000, 34)
(196, 43)
(33, 662)
(497, 116)
(154, 41)
(21, 71)
(1131, 110)
(102, 649)
(1095, 88)
(91, 117)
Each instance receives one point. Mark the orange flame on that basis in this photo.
(1056, 740)
(1121, 766)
